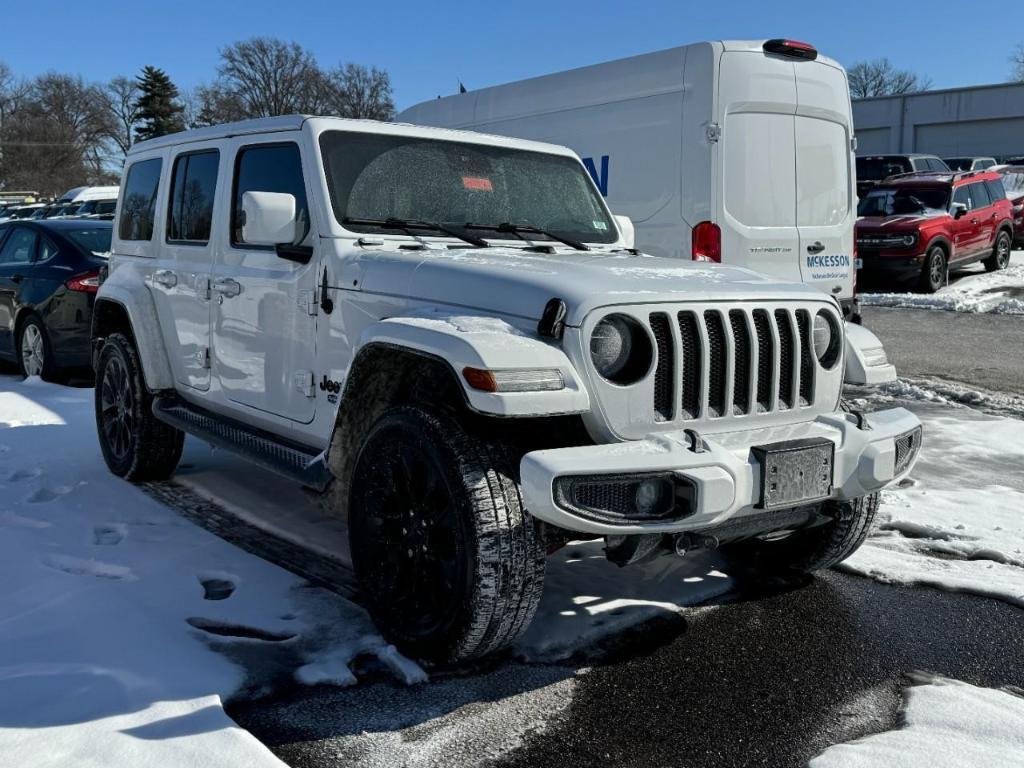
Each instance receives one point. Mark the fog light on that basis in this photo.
(650, 495)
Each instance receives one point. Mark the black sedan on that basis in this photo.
(49, 274)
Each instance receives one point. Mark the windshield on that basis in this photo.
(1013, 181)
(903, 201)
(93, 239)
(374, 176)
(878, 168)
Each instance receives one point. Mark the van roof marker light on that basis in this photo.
(792, 48)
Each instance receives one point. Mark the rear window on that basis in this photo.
(139, 207)
(822, 173)
(193, 187)
(878, 168)
(759, 184)
(93, 239)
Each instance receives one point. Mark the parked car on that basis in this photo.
(871, 169)
(450, 337)
(673, 141)
(1013, 184)
(969, 163)
(920, 226)
(21, 212)
(49, 273)
(96, 209)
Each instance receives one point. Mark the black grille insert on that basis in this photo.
(663, 373)
(741, 362)
(689, 358)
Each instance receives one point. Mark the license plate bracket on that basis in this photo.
(795, 472)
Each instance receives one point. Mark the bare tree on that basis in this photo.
(270, 77)
(361, 91)
(1017, 61)
(122, 94)
(881, 77)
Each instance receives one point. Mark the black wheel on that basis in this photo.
(936, 266)
(449, 563)
(814, 549)
(135, 444)
(35, 355)
(1000, 257)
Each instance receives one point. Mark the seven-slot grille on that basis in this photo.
(738, 362)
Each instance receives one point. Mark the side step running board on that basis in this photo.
(262, 448)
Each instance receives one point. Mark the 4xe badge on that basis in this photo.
(331, 387)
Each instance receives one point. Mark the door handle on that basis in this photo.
(225, 286)
(165, 277)
(815, 247)
(17, 278)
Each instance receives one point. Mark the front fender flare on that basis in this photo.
(866, 362)
(488, 343)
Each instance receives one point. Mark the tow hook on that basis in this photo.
(686, 542)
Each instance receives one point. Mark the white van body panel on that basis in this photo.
(713, 131)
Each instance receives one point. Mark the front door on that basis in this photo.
(17, 251)
(264, 313)
(966, 229)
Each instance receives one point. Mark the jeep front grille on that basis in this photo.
(736, 362)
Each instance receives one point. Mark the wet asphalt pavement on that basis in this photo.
(762, 679)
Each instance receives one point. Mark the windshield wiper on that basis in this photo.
(411, 225)
(520, 229)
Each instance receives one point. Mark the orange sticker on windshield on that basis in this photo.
(477, 183)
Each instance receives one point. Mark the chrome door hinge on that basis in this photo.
(713, 132)
(303, 381)
(853, 143)
(308, 301)
(203, 357)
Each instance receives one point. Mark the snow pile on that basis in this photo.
(988, 292)
(947, 724)
(123, 627)
(958, 522)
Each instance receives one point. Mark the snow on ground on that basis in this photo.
(947, 724)
(958, 522)
(977, 291)
(123, 627)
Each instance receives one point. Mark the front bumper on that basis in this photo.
(726, 474)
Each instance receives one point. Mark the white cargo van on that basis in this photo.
(733, 151)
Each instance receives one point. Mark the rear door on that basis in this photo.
(756, 109)
(17, 252)
(825, 214)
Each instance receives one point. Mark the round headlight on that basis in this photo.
(621, 349)
(827, 339)
(909, 240)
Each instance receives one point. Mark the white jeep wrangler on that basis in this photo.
(450, 337)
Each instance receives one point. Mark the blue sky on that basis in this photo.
(429, 44)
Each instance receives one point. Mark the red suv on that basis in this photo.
(920, 225)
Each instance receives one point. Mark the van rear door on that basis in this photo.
(824, 177)
(786, 168)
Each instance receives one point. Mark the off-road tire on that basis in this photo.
(1000, 258)
(935, 270)
(817, 548)
(34, 325)
(147, 448)
(472, 507)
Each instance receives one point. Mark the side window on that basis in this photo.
(19, 248)
(269, 168)
(961, 195)
(47, 250)
(979, 195)
(138, 208)
(996, 190)
(193, 187)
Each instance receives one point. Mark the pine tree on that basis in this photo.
(160, 112)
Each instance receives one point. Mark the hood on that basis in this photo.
(896, 223)
(509, 281)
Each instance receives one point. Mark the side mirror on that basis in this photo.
(269, 218)
(958, 210)
(628, 231)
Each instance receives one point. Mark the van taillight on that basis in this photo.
(707, 242)
(792, 48)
